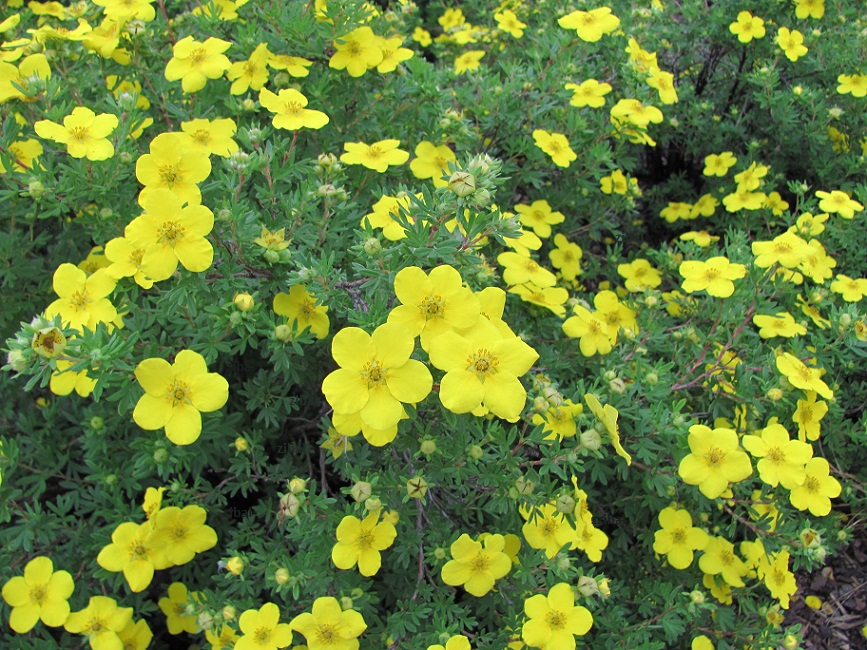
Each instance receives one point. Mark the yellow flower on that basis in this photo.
(559, 420)
(639, 275)
(792, 43)
(751, 178)
(174, 166)
(272, 241)
(360, 541)
(817, 490)
(421, 36)
(252, 73)
(801, 376)
(432, 162)
(838, 202)
(782, 460)
(552, 298)
(482, 369)
(808, 415)
(588, 93)
(678, 538)
(566, 257)
(433, 304)
(614, 183)
(783, 324)
(356, 52)
(663, 82)
(392, 54)
(554, 620)
(778, 579)
(458, 642)
(262, 629)
(719, 164)
(590, 25)
(590, 327)
(715, 276)
(179, 533)
(747, 27)
(82, 300)
(787, 250)
(177, 394)
(385, 213)
(376, 375)
(289, 109)
(608, 417)
(33, 70)
(300, 307)
(547, 529)
(704, 207)
(40, 594)
(225, 641)
(295, 66)
(84, 133)
(133, 551)
(700, 237)
(676, 210)
(852, 83)
(744, 200)
(101, 622)
(63, 381)
(475, 566)
(540, 217)
(175, 608)
(336, 443)
(126, 258)
(136, 636)
(520, 269)
(852, 290)
(23, 154)
(469, 60)
(211, 136)
(555, 145)
(719, 559)
(126, 10)
(377, 156)
(508, 22)
(329, 627)
(170, 233)
(194, 62)
(714, 461)
(809, 8)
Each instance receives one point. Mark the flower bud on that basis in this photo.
(241, 444)
(17, 360)
(697, 597)
(651, 379)
(565, 503)
(392, 517)
(553, 397)
(373, 504)
(161, 455)
(361, 491)
(289, 505)
(591, 440)
(617, 386)
(587, 586)
(283, 333)
(774, 394)
(440, 553)
(229, 613)
(372, 246)
(475, 451)
(297, 485)
(791, 642)
(281, 576)
(462, 183)
(481, 197)
(524, 485)
(204, 621)
(96, 423)
(540, 404)
(428, 447)
(326, 160)
(248, 105)
(235, 565)
(563, 562)
(810, 538)
(110, 479)
(346, 603)
(48, 342)
(35, 190)
(416, 487)
(243, 301)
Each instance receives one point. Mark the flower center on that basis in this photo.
(79, 300)
(136, 257)
(95, 626)
(327, 634)
(178, 533)
(678, 536)
(202, 136)
(308, 307)
(198, 55)
(711, 273)
(178, 393)
(293, 109)
(374, 373)
(726, 558)
(775, 455)
(432, 306)
(79, 133)
(811, 484)
(714, 457)
(483, 363)
(37, 594)
(374, 152)
(170, 232)
(480, 563)
(555, 620)
(170, 174)
(262, 636)
(138, 551)
(365, 540)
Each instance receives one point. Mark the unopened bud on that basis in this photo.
(244, 301)
(283, 333)
(372, 246)
(373, 504)
(235, 565)
(475, 451)
(697, 597)
(565, 503)
(591, 439)
(16, 360)
(281, 576)
(416, 487)
(229, 613)
(346, 603)
(462, 183)
(524, 485)
(361, 491)
(297, 485)
(35, 189)
(428, 447)
(241, 444)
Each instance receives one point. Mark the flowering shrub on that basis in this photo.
(347, 324)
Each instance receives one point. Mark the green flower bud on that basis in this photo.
(428, 447)
(283, 333)
(462, 183)
(416, 487)
(361, 491)
(281, 576)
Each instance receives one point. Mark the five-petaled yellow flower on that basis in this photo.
(477, 565)
(177, 394)
(288, 106)
(555, 145)
(715, 460)
(328, 626)
(194, 62)
(40, 594)
(377, 156)
(554, 620)
(84, 133)
(359, 541)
